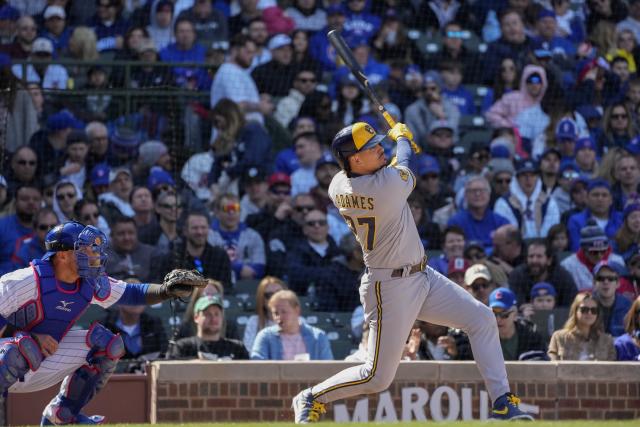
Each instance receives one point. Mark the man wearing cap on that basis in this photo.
(453, 48)
(280, 65)
(527, 206)
(599, 208)
(148, 75)
(209, 342)
(586, 156)
(501, 171)
(277, 206)
(49, 76)
(479, 282)
(429, 108)
(431, 189)
(8, 17)
(549, 168)
(359, 22)
(115, 202)
(56, 28)
(477, 220)
(185, 49)
(109, 25)
(594, 247)
(533, 85)
(233, 81)
(74, 168)
(457, 269)
(547, 38)
(517, 336)
(541, 266)
(210, 24)
(613, 306)
(50, 143)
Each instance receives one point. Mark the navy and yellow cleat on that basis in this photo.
(80, 419)
(506, 409)
(306, 409)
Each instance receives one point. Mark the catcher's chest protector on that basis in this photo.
(56, 309)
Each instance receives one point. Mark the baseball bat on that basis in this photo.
(349, 60)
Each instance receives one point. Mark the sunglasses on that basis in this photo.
(480, 157)
(46, 227)
(585, 310)
(476, 286)
(611, 279)
(597, 252)
(502, 181)
(431, 176)
(62, 196)
(280, 192)
(26, 162)
(502, 314)
(303, 80)
(618, 116)
(231, 208)
(431, 88)
(305, 208)
(90, 216)
(316, 223)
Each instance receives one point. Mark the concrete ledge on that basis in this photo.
(193, 371)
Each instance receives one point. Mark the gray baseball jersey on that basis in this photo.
(375, 208)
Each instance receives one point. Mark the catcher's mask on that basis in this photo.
(90, 250)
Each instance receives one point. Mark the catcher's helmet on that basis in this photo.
(357, 137)
(62, 237)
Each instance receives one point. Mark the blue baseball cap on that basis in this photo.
(541, 289)
(502, 298)
(598, 183)
(526, 165)
(546, 13)
(159, 176)
(61, 120)
(99, 174)
(9, 13)
(585, 142)
(611, 265)
(427, 164)
(567, 129)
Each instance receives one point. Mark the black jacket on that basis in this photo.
(154, 337)
(521, 283)
(306, 267)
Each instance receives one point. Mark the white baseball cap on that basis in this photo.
(42, 44)
(54, 11)
(278, 41)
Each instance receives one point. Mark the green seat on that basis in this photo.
(342, 348)
(329, 320)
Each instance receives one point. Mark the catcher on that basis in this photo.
(42, 302)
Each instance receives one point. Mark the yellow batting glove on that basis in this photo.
(400, 130)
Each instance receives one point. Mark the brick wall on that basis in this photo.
(262, 391)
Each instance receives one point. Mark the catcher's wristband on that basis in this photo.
(156, 293)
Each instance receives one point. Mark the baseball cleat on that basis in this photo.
(506, 408)
(306, 409)
(80, 419)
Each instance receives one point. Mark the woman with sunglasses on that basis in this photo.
(65, 196)
(582, 337)
(617, 127)
(266, 288)
(628, 345)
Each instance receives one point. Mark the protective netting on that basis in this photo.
(197, 133)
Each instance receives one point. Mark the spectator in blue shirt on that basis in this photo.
(359, 22)
(546, 27)
(478, 220)
(109, 25)
(599, 207)
(606, 281)
(56, 28)
(452, 72)
(319, 46)
(290, 338)
(628, 344)
(17, 227)
(33, 248)
(185, 49)
(452, 247)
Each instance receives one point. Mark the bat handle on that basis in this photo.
(388, 118)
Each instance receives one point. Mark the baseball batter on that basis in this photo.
(398, 287)
(42, 302)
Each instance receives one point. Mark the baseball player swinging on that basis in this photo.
(43, 301)
(398, 287)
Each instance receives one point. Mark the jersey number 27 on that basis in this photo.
(369, 222)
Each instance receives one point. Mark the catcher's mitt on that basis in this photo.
(179, 283)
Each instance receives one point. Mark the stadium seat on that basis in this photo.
(246, 287)
(474, 136)
(342, 348)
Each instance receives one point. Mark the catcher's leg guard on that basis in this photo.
(79, 388)
(18, 355)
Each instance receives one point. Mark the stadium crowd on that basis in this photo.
(527, 112)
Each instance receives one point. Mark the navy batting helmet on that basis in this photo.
(62, 237)
(357, 137)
